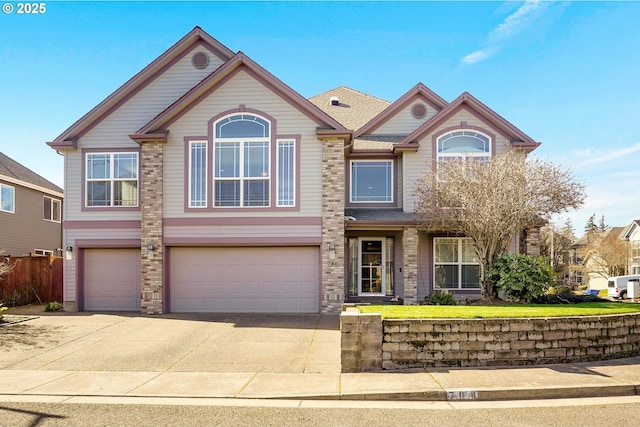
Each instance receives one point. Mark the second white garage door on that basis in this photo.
(244, 279)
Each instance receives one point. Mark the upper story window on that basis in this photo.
(464, 144)
(111, 179)
(372, 181)
(241, 165)
(7, 198)
(52, 209)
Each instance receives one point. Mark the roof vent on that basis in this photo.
(418, 111)
(334, 100)
(200, 60)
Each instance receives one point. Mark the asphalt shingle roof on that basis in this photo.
(355, 108)
(13, 169)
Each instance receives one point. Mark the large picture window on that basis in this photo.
(7, 198)
(372, 181)
(456, 264)
(242, 161)
(112, 179)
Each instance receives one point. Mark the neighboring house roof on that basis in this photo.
(466, 101)
(239, 62)
(353, 109)
(14, 172)
(628, 230)
(419, 91)
(196, 37)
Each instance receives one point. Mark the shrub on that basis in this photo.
(440, 298)
(53, 306)
(522, 278)
(2, 308)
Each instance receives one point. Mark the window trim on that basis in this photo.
(393, 190)
(13, 198)
(85, 153)
(459, 263)
(53, 201)
(292, 174)
(464, 155)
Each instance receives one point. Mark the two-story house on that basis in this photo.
(632, 235)
(206, 184)
(30, 211)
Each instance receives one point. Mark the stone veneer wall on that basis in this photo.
(417, 343)
(333, 201)
(410, 265)
(151, 194)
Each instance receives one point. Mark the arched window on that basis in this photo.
(241, 161)
(464, 144)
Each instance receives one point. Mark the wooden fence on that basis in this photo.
(32, 280)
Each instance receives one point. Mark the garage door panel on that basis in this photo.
(112, 279)
(281, 279)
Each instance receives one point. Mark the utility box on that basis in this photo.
(633, 289)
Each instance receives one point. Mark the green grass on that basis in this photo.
(493, 311)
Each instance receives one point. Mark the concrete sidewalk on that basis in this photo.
(253, 357)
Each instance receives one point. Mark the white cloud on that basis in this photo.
(597, 158)
(512, 24)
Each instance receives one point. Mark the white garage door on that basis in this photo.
(112, 279)
(243, 279)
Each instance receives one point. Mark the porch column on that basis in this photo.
(151, 191)
(410, 265)
(333, 195)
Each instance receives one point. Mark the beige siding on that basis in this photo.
(244, 231)
(243, 89)
(415, 163)
(403, 123)
(113, 131)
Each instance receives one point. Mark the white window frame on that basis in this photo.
(462, 155)
(391, 183)
(42, 252)
(205, 179)
(13, 198)
(111, 179)
(459, 263)
(55, 206)
(286, 173)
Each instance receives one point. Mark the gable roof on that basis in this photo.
(518, 138)
(196, 37)
(203, 89)
(14, 172)
(419, 91)
(354, 108)
(626, 233)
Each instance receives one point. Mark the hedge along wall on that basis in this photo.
(414, 343)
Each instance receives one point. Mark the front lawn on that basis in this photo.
(492, 311)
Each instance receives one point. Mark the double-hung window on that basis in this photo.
(7, 198)
(51, 209)
(456, 264)
(464, 144)
(112, 179)
(372, 181)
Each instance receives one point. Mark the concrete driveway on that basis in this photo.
(256, 343)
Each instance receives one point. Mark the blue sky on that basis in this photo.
(565, 73)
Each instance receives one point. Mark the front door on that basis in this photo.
(372, 267)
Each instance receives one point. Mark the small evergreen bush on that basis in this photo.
(522, 278)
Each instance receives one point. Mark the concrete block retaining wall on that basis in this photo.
(370, 343)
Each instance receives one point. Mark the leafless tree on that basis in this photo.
(604, 254)
(5, 267)
(493, 201)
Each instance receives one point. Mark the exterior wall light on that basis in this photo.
(151, 247)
